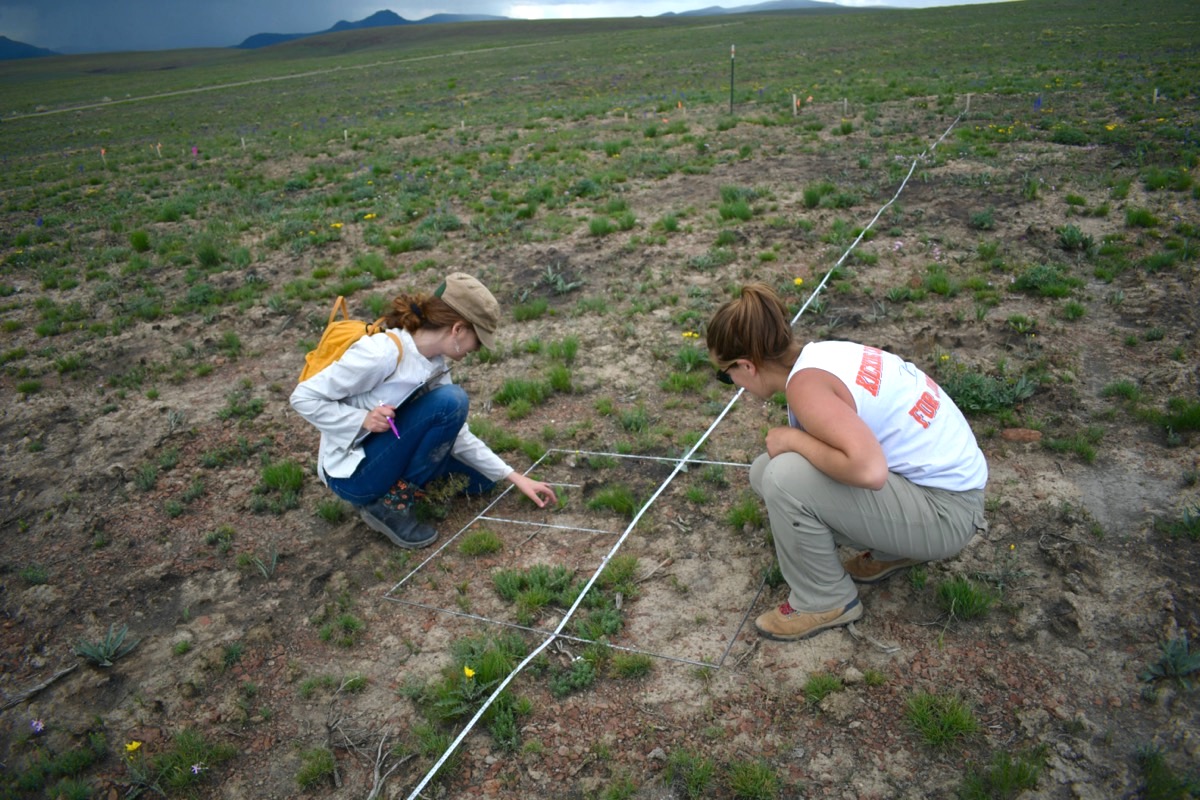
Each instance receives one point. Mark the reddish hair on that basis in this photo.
(413, 311)
(754, 326)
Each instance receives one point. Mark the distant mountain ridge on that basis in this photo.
(383, 19)
(380, 19)
(771, 5)
(10, 49)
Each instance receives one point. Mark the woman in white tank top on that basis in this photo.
(875, 457)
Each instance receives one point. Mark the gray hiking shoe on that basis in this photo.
(399, 525)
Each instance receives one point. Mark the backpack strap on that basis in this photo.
(380, 326)
(338, 305)
(399, 346)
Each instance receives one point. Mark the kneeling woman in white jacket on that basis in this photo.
(390, 427)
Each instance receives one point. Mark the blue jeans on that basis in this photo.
(428, 427)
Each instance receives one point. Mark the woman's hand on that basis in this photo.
(378, 419)
(783, 439)
(540, 493)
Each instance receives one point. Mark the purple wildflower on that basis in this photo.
(37, 725)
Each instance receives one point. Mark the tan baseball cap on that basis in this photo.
(478, 306)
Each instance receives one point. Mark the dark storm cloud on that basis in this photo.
(101, 25)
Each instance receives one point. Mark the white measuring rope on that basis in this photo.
(679, 466)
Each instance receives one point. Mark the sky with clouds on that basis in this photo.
(79, 26)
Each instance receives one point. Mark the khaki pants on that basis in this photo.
(811, 514)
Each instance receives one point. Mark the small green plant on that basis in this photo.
(279, 487)
(1073, 310)
(332, 511)
(530, 310)
(1070, 238)
(177, 769)
(266, 565)
(963, 599)
(690, 772)
(820, 685)
(316, 766)
(1160, 781)
(240, 405)
(534, 588)
(1081, 443)
(34, 574)
(1046, 280)
(1006, 777)
(231, 654)
(746, 512)
(1176, 663)
(519, 390)
(983, 220)
(615, 497)
(940, 719)
(630, 665)
(479, 543)
(145, 477)
(1140, 218)
(979, 393)
(106, 651)
(346, 630)
(753, 780)
(1186, 526)
(579, 676)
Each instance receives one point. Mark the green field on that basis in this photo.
(175, 225)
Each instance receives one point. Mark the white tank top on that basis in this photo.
(924, 436)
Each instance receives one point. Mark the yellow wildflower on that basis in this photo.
(470, 673)
(798, 282)
(131, 747)
(337, 225)
(369, 216)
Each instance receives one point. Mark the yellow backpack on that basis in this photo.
(339, 334)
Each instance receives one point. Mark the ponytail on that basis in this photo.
(753, 326)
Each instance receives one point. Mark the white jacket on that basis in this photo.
(336, 400)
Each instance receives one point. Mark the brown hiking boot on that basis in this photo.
(786, 624)
(865, 569)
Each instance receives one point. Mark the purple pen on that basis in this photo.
(392, 424)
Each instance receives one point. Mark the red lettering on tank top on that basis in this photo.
(927, 404)
(870, 371)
